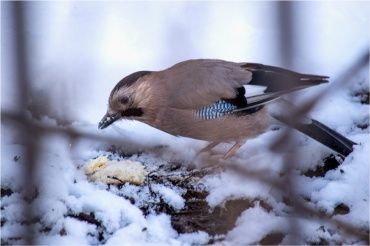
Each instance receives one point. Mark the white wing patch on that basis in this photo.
(252, 90)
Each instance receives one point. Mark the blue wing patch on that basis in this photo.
(216, 110)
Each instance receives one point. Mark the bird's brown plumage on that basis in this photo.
(204, 99)
(207, 81)
(177, 92)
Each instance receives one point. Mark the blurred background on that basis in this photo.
(61, 60)
(77, 51)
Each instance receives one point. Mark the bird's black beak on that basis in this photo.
(108, 120)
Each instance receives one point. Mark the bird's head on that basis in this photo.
(127, 100)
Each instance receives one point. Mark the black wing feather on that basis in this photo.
(279, 81)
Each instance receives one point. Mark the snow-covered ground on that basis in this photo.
(65, 192)
(93, 45)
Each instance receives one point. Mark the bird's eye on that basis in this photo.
(124, 100)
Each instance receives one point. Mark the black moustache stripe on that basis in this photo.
(136, 112)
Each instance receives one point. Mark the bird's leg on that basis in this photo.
(208, 147)
(233, 150)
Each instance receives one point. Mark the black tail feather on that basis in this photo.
(328, 137)
(324, 135)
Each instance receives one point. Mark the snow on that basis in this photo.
(64, 189)
(82, 49)
(170, 197)
(258, 222)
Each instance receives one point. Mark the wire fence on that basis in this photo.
(34, 131)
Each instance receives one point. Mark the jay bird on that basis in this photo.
(206, 99)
